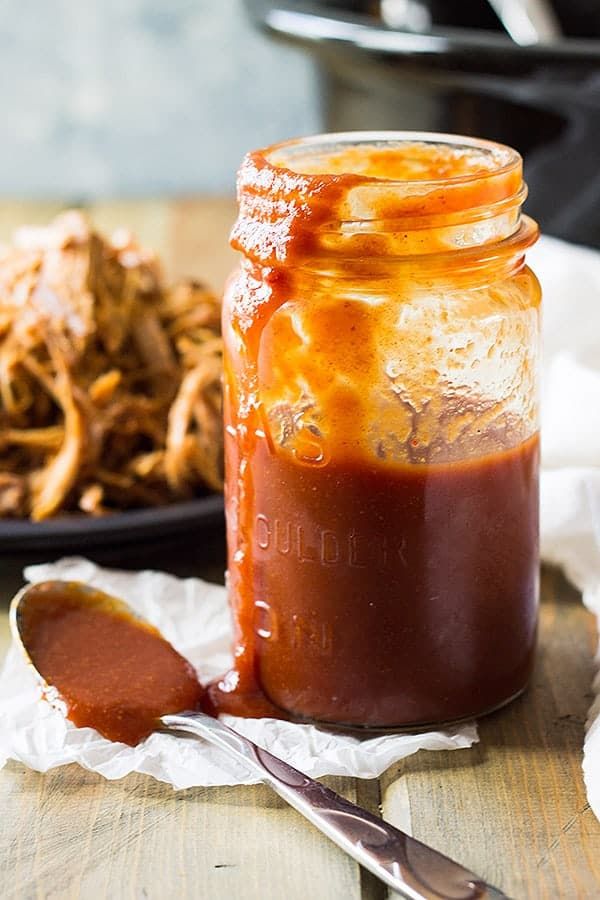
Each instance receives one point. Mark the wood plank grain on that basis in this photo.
(148, 220)
(514, 808)
(14, 213)
(198, 245)
(71, 834)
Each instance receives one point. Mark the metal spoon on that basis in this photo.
(409, 867)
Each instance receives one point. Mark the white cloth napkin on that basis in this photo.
(194, 616)
(570, 489)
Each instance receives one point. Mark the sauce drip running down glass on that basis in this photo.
(113, 672)
(381, 431)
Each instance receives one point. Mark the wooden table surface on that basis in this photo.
(513, 808)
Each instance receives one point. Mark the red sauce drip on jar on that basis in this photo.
(381, 432)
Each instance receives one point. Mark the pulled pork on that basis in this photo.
(110, 382)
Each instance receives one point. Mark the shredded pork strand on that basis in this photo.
(110, 381)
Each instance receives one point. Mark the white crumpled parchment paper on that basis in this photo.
(194, 617)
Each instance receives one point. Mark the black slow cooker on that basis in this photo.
(462, 73)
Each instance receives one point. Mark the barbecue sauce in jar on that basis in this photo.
(381, 432)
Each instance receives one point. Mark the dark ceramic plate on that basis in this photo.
(79, 532)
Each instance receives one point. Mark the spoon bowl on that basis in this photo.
(31, 596)
(102, 664)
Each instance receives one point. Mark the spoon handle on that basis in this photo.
(409, 867)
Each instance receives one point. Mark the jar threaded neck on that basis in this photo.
(335, 199)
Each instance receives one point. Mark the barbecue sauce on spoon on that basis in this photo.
(113, 671)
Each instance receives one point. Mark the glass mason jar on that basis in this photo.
(382, 343)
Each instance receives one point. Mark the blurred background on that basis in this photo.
(142, 98)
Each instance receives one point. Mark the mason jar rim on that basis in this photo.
(288, 216)
(279, 155)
